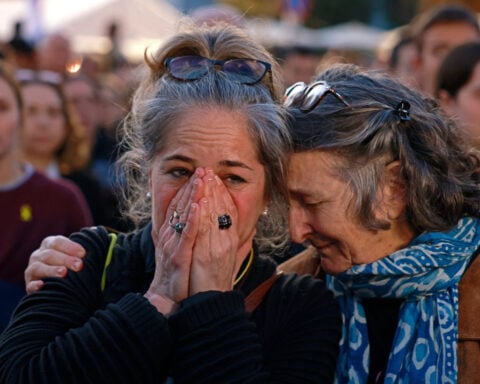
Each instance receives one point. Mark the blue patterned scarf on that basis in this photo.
(426, 275)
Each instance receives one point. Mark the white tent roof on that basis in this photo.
(141, 23)
(349, 36)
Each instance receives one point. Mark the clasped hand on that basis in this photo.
(201, 256)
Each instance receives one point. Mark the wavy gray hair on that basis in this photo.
(439, 168)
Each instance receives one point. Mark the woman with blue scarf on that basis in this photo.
(387, 194)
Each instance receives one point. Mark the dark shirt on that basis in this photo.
(117, 336)
(382, 320)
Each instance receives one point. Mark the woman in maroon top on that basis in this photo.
(32, 205)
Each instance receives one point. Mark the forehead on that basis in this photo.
(212, 132)
(39, 92)
(450, 33)
(311, 169)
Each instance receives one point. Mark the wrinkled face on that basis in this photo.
(216, 138)
(9, 118)
(319, 215)
(466, 106)
(44, 129)
(439, 40)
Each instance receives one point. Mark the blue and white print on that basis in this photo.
(426, 274)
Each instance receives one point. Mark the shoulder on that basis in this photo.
(302, 289)
(298, 298)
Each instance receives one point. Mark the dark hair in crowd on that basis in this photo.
(439, 169)
(457, 68)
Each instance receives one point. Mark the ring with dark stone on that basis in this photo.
(224, 221)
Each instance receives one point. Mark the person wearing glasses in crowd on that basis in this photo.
(192, 294)
(32, 205)
(386, 192)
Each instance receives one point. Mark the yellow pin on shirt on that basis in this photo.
(26, 213)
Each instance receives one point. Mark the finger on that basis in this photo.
(61, 244)
(56, 258)
(39, 271)
(176, 211)
(224, 201)
(34, 286)
(187, 197)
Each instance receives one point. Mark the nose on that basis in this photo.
(298, 224)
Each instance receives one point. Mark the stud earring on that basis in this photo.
(149, 196)
(265, 211)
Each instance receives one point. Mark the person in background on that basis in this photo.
(192, 295)
(437, 32)
(458, 88)
(84, 94)
(54, 53)
(32, 205)
(386, 191)
(21, 52)
(298, 64)
(55, 142)
(401, 60)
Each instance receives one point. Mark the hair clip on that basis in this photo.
(402, 110)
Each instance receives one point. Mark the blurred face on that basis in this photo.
(9, 118)
(439, 40)
(216, 138)
(319, 215)
(299, 67)
(404, 69)
(466, 106)
(44, 129)
(82, 96)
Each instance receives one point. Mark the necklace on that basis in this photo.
(245, 270)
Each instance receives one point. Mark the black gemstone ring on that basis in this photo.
(224, 221)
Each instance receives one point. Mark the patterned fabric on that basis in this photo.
(426, 274)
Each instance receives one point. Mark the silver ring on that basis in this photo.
(224, 221)
(175, 216)
(178, 227)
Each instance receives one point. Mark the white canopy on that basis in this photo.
(141, 23)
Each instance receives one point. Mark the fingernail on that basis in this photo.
(217, 179)
(76, 265)
(60, 271)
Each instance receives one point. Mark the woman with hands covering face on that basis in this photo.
(207, 143)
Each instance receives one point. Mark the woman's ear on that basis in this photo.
(394, 191)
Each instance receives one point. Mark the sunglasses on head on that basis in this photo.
(245, 71)
(31, 76)
(307, 97)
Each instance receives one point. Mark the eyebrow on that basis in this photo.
(226, 163)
